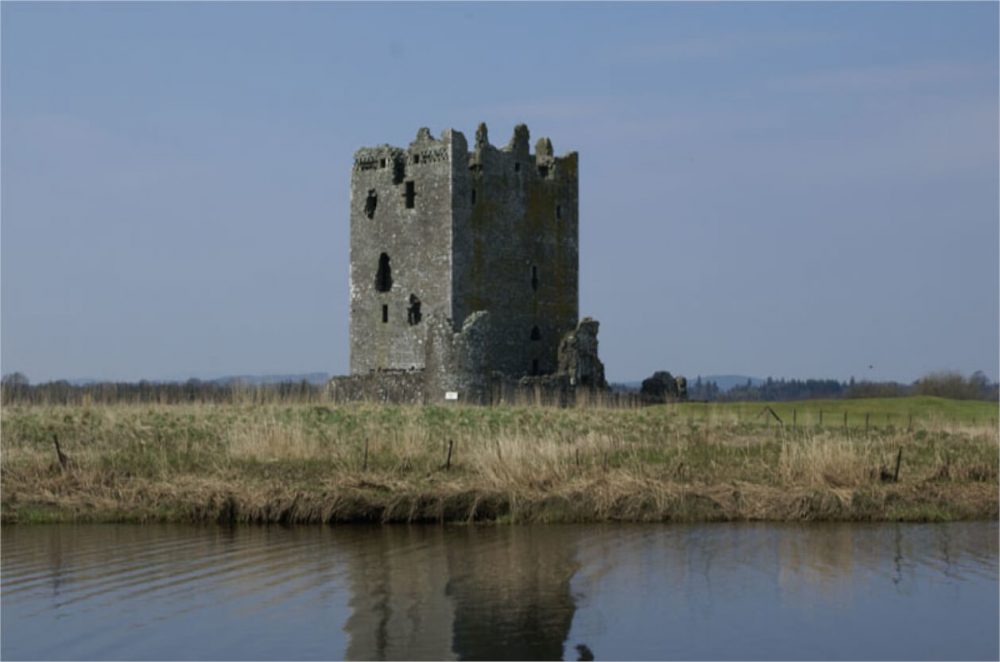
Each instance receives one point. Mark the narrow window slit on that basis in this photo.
(558, 211)
(385, 313)
(534, 278)
(410, 194)
(370, 203)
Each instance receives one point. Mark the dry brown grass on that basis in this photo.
(308, 463)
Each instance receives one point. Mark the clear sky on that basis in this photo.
(797, 190)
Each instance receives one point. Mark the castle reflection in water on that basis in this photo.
(461, 593)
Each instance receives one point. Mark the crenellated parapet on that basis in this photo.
(517, 154)
(425, 148)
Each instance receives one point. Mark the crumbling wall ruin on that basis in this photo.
(457, 361)
(578, 359)
(456, 369)
(663, 387)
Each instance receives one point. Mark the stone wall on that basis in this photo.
(456, 372)
(400, 209)
(516, 249)
(457, 362)
(387, 386)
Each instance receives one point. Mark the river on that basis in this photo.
(708, 591)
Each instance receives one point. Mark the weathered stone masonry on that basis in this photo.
(464, 269)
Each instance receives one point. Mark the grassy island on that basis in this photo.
(915, 459)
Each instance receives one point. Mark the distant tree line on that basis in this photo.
(954, 385)
(943, 384)
(18, 390)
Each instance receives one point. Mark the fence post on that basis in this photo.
(821, 418)
(866, 422)
(845, 420)
(794, 420)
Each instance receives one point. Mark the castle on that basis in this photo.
(464, 271)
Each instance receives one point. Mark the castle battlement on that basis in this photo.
(427, 149)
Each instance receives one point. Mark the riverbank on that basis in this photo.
(321, 464)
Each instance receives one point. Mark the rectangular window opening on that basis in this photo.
(410, 195)
(473, 196)
(517, 166)
(558, 211)
(385, 313)
(534, 366)
(543, 171)
(416, 158)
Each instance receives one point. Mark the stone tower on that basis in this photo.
(440, 233)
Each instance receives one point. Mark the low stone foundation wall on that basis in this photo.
(394, 387)
(410, 387)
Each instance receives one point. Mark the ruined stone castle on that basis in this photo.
(464, 272)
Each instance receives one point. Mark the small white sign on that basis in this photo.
(451, 395)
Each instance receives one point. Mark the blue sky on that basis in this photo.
(769, 189)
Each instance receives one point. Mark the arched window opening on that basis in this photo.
(383, 279)
(536, 334)
(370, 203)
(413, 315)
(534, 277)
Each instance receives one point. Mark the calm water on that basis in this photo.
(743, 591)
